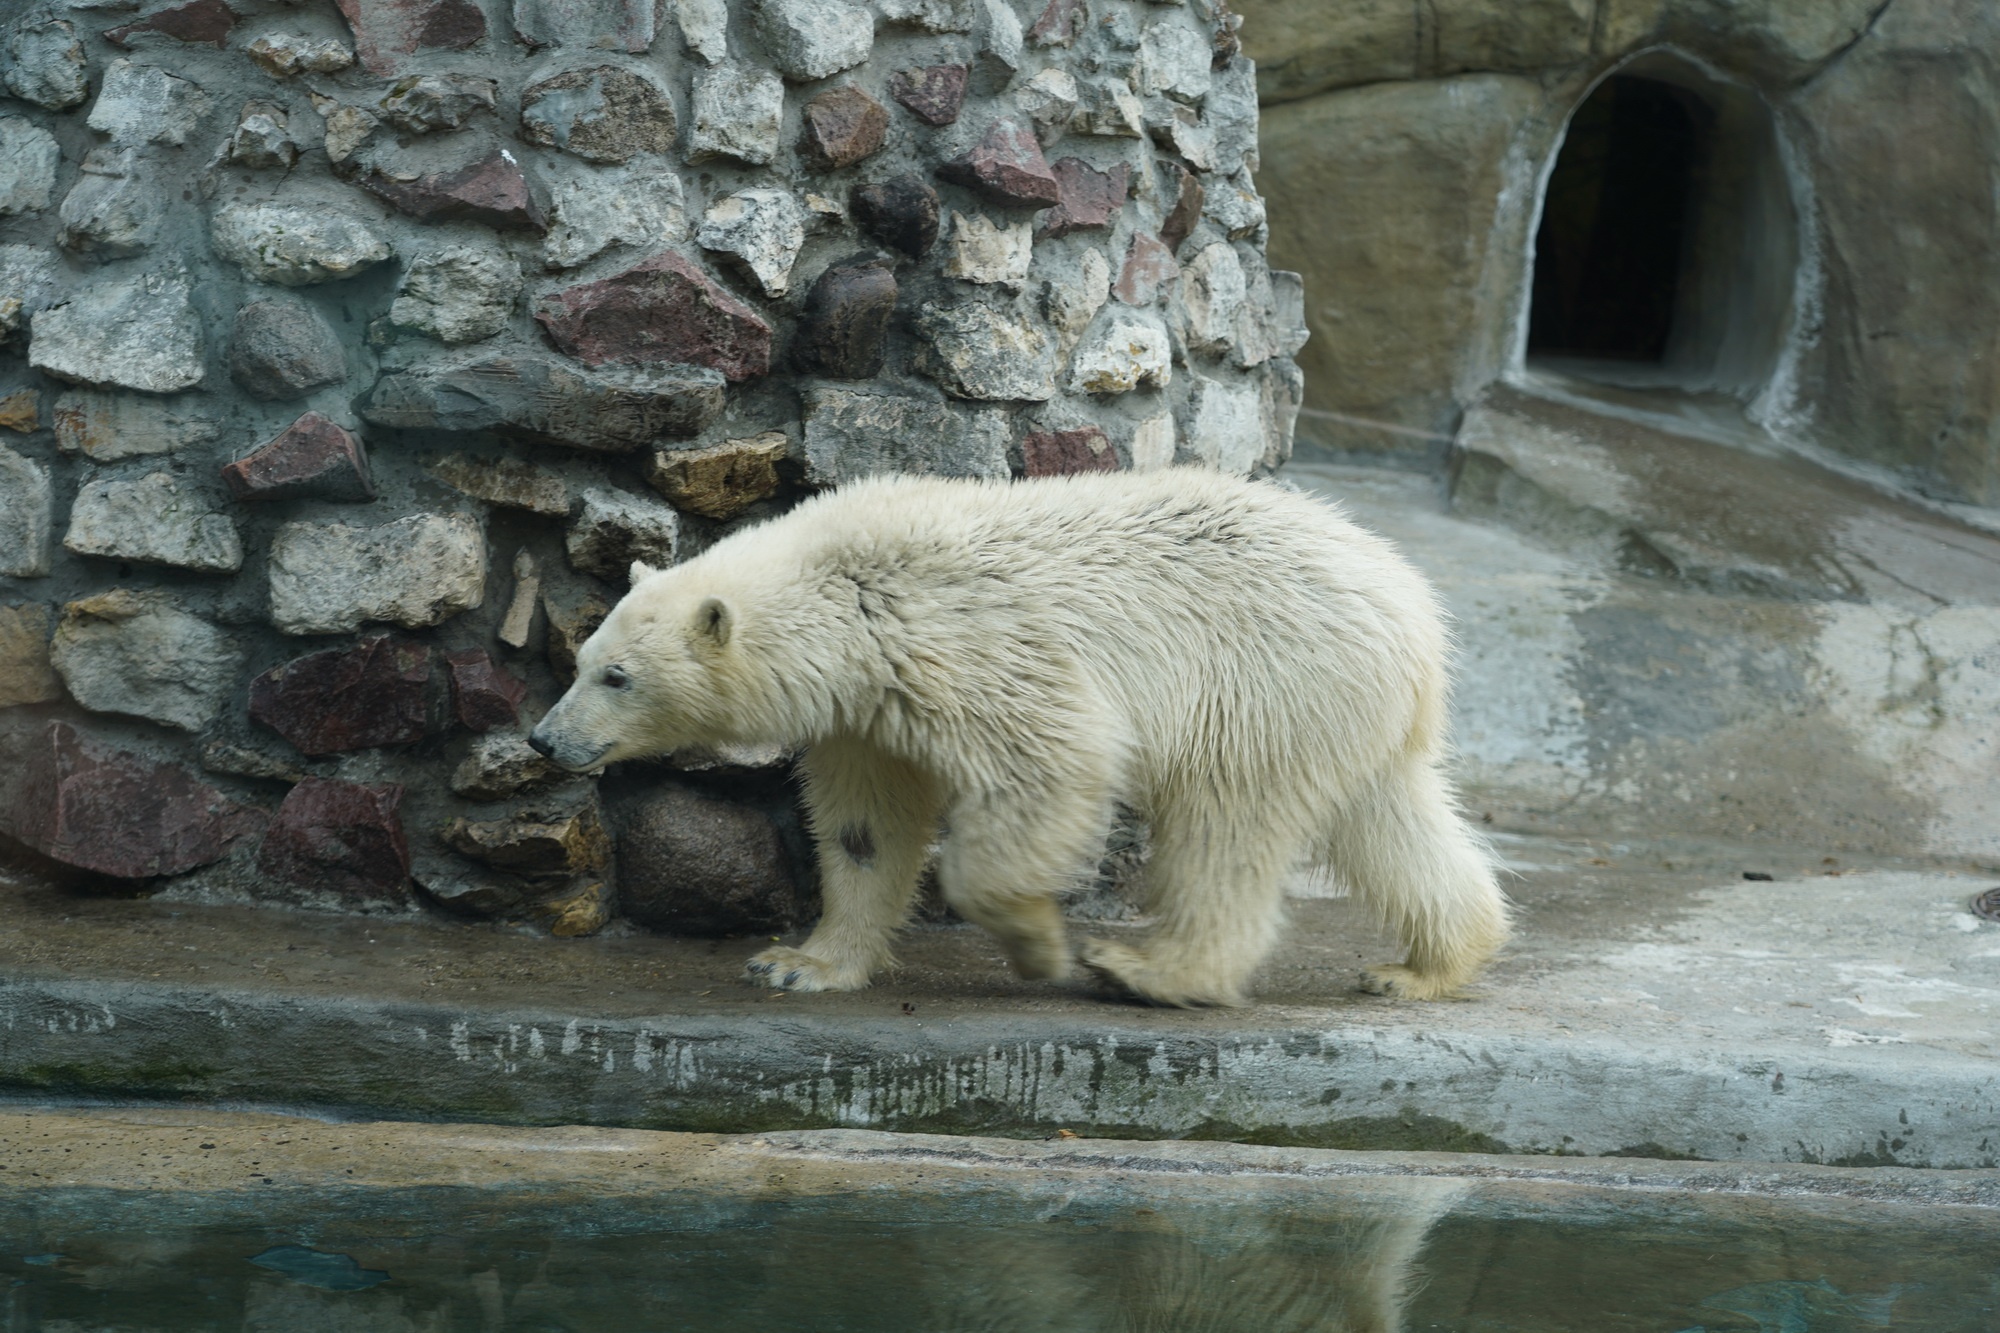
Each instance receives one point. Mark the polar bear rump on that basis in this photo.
(1006, 662)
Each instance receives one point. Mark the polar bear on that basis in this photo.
(1006, 661)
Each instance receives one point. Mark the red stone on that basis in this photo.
(1186, 212)
(1056, 453)
(88, 806)
(203, 21)
(1059, 24)
(842, 126)
(1149, 266)
(664, 310)
(376, 692)
(493, 190)
(385, 30)
(340, 837)
(312, 456)
(1006, 166)
(933, 93)
(1090, 198)
(484, 695)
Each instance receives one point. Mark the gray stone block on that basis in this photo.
(458, 294)
(139, 654)
(533, 395)
(614, 528)
(737, 112)
(105, 427)
(992, 352)
(133, 331)
(284, 349)
(27, 515)
(295, 245)
(328, 578)
(591, 214)
(114, 210)
(139, 104)
(29, 156)
(851, 434)
(811, 39)
(763, 228)
(154, 520)
(43, 62)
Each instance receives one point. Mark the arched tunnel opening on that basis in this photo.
(1667, 248)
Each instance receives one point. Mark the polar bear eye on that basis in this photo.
(615, 678)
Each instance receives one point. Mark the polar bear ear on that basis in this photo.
(640, 569)
(713, 620)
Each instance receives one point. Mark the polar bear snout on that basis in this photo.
(561, 745)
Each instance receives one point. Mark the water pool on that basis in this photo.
(614, 1232)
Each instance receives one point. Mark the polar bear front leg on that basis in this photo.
(1008, 857)
(873, 817)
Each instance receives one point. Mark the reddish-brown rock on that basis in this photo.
(91, 807)
(312, 456)
(901, 211)
(1149, 266)
(1054, 453)
(203, 21)
(386, 30)
(1090, 198)
(1186, 212)
(376, 692)
(493, 190)
(1007, 167)
(933, 93)
(343, 838)
(484, 695)
(841, 126)
(664, 310)
(845, 331)
(1059, 24)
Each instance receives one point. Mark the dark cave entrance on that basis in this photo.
(1668, 242)
(1614, 220)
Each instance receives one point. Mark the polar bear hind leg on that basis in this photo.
(1403, 849)
(873, 817)
(1215, 889)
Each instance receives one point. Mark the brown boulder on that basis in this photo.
(691, 864)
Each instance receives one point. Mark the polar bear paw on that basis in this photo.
(1406, 983)
(795, 969)
(1135, 975)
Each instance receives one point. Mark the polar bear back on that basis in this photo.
(1186, 617)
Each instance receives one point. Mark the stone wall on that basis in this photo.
(353, 351)
(1415, 136)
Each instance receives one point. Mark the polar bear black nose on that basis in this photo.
(540, 746)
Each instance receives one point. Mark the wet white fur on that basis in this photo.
(1265, 682)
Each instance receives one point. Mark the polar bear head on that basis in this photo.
(661, 673)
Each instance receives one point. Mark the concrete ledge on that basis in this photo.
(165, 1150)
(1662, 1014)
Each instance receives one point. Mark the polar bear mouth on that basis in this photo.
(549, 750)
